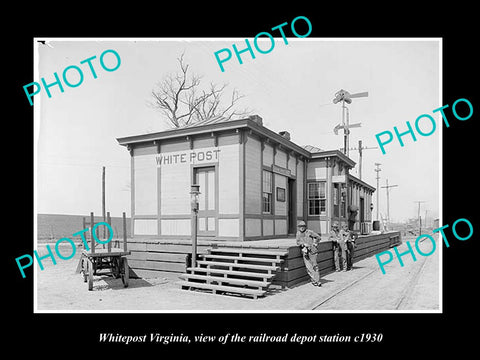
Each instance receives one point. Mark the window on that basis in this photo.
(267, 192)
(316, 198)
(339, 200)
(335, 201)
(343, 200)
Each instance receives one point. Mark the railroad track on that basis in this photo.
(348, 286)
(403, 298)
(407, 291)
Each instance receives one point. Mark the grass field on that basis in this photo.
(51, 227)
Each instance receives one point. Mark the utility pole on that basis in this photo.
(378, 178)
(360, 159)
(360, 148)
(103, 200)
(419, 218)
(388, 199)
(346, 130)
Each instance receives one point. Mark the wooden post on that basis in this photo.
(84, 223)
(194, 238)
(360, 159)
(109, 221)
(103, 199)
(92, 241)
(124, 218)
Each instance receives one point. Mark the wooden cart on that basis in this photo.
(104, 261)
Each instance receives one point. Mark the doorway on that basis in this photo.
(292, 204)
(207, 200)
(362, 210)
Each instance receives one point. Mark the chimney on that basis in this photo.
(285, 134)
(257, 119)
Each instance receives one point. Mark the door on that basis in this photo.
(292, 226)
(362, 210)
(363, 230)
(339, 203)
(207, 201)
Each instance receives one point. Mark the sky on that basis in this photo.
(291, 88)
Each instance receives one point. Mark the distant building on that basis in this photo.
(254, 183)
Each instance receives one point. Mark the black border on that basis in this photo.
(409, 333)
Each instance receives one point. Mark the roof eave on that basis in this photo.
(361, 182)
(338, 153)
(205, 129)
(174, 133)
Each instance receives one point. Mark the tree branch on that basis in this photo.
(180, 99)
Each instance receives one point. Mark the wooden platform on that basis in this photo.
(155, 257)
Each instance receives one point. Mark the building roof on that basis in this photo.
(312, 149)
(216, 125)
(215, 120)
(361, 182)
(253, 123)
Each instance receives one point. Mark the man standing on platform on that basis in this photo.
(350, 242)
(338, 238)
(352, 236)
(352, 216)
(308, 241)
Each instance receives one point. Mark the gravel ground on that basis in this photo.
(413, 287)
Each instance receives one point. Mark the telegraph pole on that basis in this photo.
(419, 218)
(346, 130)
(388, 199)
(103, 200)
(378, 178)
(360, 159)
(360, 148)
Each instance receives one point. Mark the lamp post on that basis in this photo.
(195, 191)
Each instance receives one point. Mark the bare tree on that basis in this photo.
(179, 97)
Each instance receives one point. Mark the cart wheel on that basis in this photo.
(125, 271)
(90, 274)
(116, 267)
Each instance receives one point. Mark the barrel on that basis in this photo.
(376, 225)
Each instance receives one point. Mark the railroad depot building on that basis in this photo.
(254, 183)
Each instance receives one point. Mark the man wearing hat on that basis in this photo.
(338, 238)
(350, 243)
(308, 240)
(352, 216)
(352, 235)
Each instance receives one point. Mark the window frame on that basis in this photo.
(321, 200)
(267, 192)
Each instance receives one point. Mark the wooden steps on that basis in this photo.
(230, 273)
(226, 289)
(232, 265)
(244, 271)
(227, 280)
(240, 259)
(248, 251)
